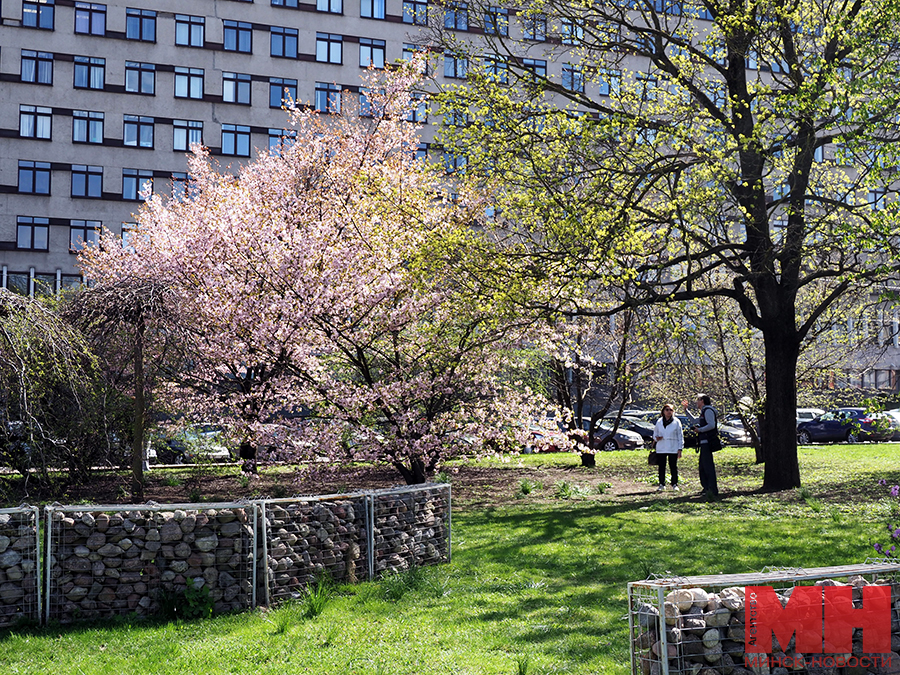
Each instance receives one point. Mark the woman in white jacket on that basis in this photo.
(669, 443)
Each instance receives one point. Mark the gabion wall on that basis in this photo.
(311, 537)
(19, 565)
(100, 561)
(411, 528)
(696, 625)
(114, 560)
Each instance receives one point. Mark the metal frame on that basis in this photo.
(36, 523)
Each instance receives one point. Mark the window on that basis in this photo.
(572, 32)
(140, 78)
(328, 98)
(329, 48)
(236, 140)
(34, 177)
(535, 69)
(138, 131)
(83, 233)
(534, 27)
(37, 67)
(609, 80)
(32, 233)
(90, 72)
(455, 65)
(371, 53)
(87, 126)
(35, 121)
(456, 16)
(331, 6)
(495, 69)
(415, 12)
(90, 18)
(878, 199)
(454, 163)
(280, 140)
(135, 181)
(87, 181)
(188, 82)
(283, 42)
(284, 3)
(140, 24)
(646, 86)
(422, 152)
(189, 30)
(187, 133)
(238, 36)
(573, 78)
(282, 92)
(38, 14)
(371, 9)
(236, 88)
(496, 21)
(418, 114)
(179, 185)
(129, 231)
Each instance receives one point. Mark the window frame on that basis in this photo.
(496, 21)
(374, 46)
(325, 46)
(141, 71)
(326, 102)
(144, 20)
(238, 138)
(282, 83)
(92, 177)
(88, 67)
(137, 125)
(94, 14)
(191, 81)
(185, 133)
(284, 40)
(38, 116)
(84, 227)
(40, 10)
(190, 30)
(36, 170)
(237, 31)
(376, 9)
(459, 72)
(42, 63)
(240, 82)
(330, 6)
(139, 178)
(417, 11)
(32, 223)
(92, 120)
(456, 15)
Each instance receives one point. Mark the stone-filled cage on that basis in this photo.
(696, 625)
(108, 560)
(20, 570)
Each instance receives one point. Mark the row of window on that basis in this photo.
(33, 233)
(87, 181)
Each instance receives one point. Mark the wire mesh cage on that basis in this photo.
(19, 565)
(698, 625)
(310, 537)
(107, 560)
(411, 527)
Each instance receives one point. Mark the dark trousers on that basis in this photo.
(673, 467)
(708, 472)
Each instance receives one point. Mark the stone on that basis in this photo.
(152, 535)
(170, 531)
(672, 613)
(125, 543)
(718, 618)
(700, 596)
(207, 543)
(11, 593)
(188, 523)
(712, 654)
(230, 529)
(227, 516)
(10, 558)
(110, 550)
(4, 543)
(182, 550)
(88, 519)
(14, 573)
(82, 551)
(77, 593)
(711, 638)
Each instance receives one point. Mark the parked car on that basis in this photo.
(895, 416)
(807, 414)
(849, 425)
(732, 434)
(543, 439)
(605, 439)
(641, 427)
(193, 442)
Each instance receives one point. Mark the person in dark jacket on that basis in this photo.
(706, 427)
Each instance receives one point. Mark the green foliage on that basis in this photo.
(317, 596)
(185, 604)
(522, 664)
(442, 477)
(397, 584)
(171, 480)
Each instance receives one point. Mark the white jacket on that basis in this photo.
(672, 436)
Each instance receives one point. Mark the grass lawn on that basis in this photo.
(537, 584)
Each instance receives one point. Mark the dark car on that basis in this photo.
(691, 438)
(641, 427)
(605, 439)
(849, 425)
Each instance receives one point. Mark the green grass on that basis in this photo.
(536, 588)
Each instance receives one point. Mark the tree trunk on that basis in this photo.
(779, 424)
(247, 454)
(588, 459)
(414, 474)
(137, 442)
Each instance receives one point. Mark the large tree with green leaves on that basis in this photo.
(738, 149)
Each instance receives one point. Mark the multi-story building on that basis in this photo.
(100, 99)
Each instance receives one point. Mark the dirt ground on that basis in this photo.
(473, 487)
